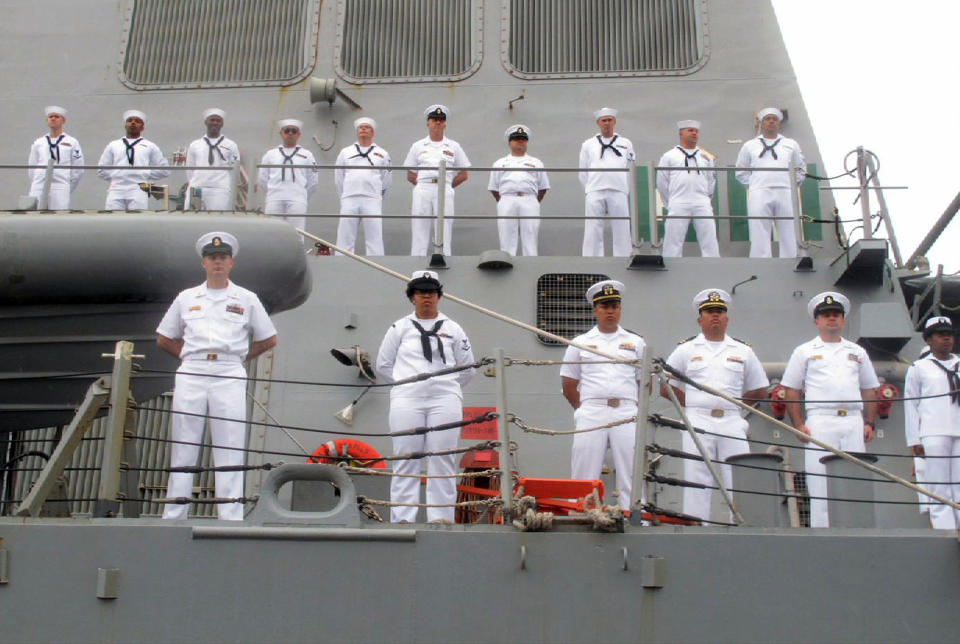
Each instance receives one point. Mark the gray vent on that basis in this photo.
(562, 308)
(227, 43)
(576, 38)
(384, 41)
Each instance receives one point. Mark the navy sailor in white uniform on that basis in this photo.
(715, 359)
(131, 150)
(213, 149)
(769, 192)
(601, 392)
(65, 151)
(427, 152)
(288, 190)
(932, 419)
(518, 193)
(213, 328)
(688, 192)
(425, 341)
(607, 193)
(830, 368)
(361, 192)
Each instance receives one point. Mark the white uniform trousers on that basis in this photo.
(843, 432)
(284, 207)
(424, 411)
(920, 475)
(696, 501)
(126, 200)
(57, 199)
(224, 397)
(215, 199)
(771, 203)
(372, 228)
(425, 205)
(527, 229)
(944, 474)
(607, 203)
(675, 229)
(590, 448)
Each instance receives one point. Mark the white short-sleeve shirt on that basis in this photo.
(518, 181)
(599, 379)
(731, 367)
(830, 371)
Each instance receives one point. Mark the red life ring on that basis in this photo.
(361, 454)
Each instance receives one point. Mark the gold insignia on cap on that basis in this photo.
(828, 300)
(520, 130)
(217, 241)
(609, 290)
(714, 297)
(438, 112)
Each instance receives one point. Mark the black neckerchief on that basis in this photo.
(769, 148)
(608, 146)
(687, 157)
(953, 379)
(425, 341)
(212, 147)
(130, 148)
(364, 155)
(55, 147)
(286, 160)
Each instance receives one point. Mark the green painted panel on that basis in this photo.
(810, 205)
(737, 204)
(643, 202)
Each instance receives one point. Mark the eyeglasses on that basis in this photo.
(289, 130)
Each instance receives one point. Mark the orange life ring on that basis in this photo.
(360, 453)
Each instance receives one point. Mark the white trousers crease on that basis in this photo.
(421, 230)
(526, 230)
(411, 412)
(606, 203)
(675, 229)
(590, 448)
(696, 501)
(842, 432)
(223, 397)
(944, 474)
(771, 203)
(372, 228)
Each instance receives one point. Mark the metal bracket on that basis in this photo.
(268, 510)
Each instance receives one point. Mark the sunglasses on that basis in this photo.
(289, 130)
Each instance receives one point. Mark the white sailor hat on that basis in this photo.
(437, 111)
(683, 125)
(364, 120)
(129, 114)
(604, 111)
(938, 323)
(605, 291)
(54, 109)
(767, 111)
(711, 298)
(828, 301)
(424, 281)
(282, 123)
(217, 242)
(213, 111)
(518, 131)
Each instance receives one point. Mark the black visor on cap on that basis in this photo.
(215, 246)
(426, 284)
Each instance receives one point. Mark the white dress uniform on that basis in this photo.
(214, 185)
(769, 192)
(427, 152)
(934, 422)
(124, 192)
(66, 151)
(361, 192)
(430, 402)
(288, 190)
(829, 371)
(518, 198)
(608, 392)
(688, 193)
(732, 367)
(607, 193)
(216, 326)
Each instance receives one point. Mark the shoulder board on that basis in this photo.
(686, 340)
(742, 341)
(639, 335)
(707, 153)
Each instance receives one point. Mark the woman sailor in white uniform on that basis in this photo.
(425, 341)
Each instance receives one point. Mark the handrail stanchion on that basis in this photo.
(438, 237)
(503, 433)
(47, 181)
(864, 192)
(796, 210)
(634, 209)
(641, 460)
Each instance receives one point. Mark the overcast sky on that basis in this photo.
(884, 74)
